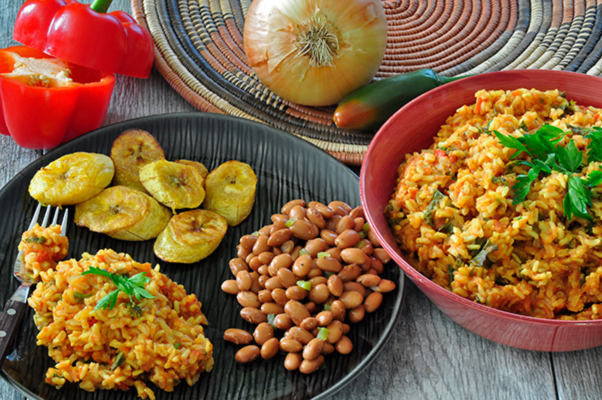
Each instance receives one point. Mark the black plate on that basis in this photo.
(287, 168)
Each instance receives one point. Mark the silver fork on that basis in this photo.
(13, 310)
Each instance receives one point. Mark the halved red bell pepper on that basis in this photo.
(84, 34)
(45, 101)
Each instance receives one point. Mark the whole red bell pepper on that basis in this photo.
(84, 34)
(45, 101)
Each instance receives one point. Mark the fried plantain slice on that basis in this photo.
(123, 213)
(197, 165)
(190, 236)
(72, 179)
(132, 150)
(230, 191)
(172, 184)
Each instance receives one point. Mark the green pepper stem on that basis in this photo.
(101, 6)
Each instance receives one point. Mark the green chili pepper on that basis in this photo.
(369, 107)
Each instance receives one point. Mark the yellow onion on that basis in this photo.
(315, 52)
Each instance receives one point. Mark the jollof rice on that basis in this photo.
(159, 339)
(453, 212)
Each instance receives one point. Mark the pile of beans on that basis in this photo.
(316, 266)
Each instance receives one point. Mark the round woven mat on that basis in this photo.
(199, 50)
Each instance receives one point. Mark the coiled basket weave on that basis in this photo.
(199, 51)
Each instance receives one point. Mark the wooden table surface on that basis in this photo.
(428, 356)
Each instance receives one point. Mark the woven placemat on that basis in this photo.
(199, 50)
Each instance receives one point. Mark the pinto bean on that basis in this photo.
(253, 315)
(279, 296)
(299, 334)
(286, 209)
(357, 212)
(344, 345)
(287, 278)
(331, 224)
(356, 314)
(319, 293)
(304, 230)
(354, 256)
(302, 265)
(309, 323)
(323, 209)
(266, 257)
(315, 217)
(296, 293)
(296, 311)
(230, 287)
(263, 332)
(292, 361)
(329, 264)
(269, 348)
(243, 280)
(315, 246)
(373, 301)
(272, 308)
(279, 237)
(324, 318)
(237, 265)
(247, 242)
(328, 236)
(368, 280)
(282, 322)
(335, 331)
(347, 238)
(279, 217)
(287, 247)
(340, 207)
(237, 336)
(351, 299)
(350, 273)
(381, 255)
(335, 285)
(247, 354)
(290, 345)
(248, 299)
(265, 296)
(337, 308)
(261, 245)
(307, 366)
(345, 223)
(313, 349)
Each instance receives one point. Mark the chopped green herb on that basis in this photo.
(323, 333)
(304, 285)
(579, 130)
(290, 222)
(323, 254)
(499, 180)
(130, 286)
(134, 310)
(594, 148)
(303, 252)
(446, 228)
(118, 362)
(450, 273)
(327, 307)
(501, 281)
(271, 318)
(481, 257)
(428, 214)
(176, 346)
(523, 127)
(36, 239)
(256, 234)
(80, 296)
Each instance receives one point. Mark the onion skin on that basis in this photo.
(273, 27)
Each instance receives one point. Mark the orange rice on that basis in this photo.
(160, 340)
(42, 248)
(538, 263)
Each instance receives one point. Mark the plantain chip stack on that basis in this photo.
(123, 213)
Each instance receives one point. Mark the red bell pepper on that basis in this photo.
(83, 34)
(45, 101)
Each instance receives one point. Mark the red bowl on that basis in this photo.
(412, 129)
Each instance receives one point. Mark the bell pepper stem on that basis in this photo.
(101, 6)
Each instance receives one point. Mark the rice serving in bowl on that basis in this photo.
(158, 339)
(498, 228)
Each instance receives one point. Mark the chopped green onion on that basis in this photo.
(366, 227)
(256, 234)
(326, 307)
(323, 333)
(271, 318)
(323, 254)
(119, 360)
(304, 284)
(290, 222)
(328, 274)
(81, 296)
(303, 252)
(361, 244)
(362, 234)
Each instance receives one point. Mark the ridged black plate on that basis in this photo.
(287, 168)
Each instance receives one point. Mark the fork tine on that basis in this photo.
(46, 217)
(34, 219)
(56, 216)
(64, 223)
